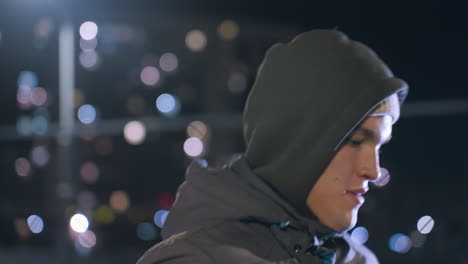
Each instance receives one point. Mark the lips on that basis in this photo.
(357, 195)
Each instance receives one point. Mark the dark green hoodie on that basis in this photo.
(308, 96)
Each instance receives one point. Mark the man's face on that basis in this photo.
(336, 196)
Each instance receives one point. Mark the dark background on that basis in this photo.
(424, 43)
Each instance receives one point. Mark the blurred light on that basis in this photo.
(23, 97)
(168, 62)
(160, 217)
(237, 83)
(383, 179)
(23, 126)
(88, 45)
(86, 114)
(89, 172)
(202, 162)
(82, 251)
(193, 147)
(22, 167)
(360, 235)
(38, 96)
(146, 231)
(400, 243)
(417, 239)
(228, 30)
(119, 201)
(136, 105)
(86, 200)
(88, 133)
(164, 200)
(196, 40)
(88, 30)
(44, 27)
(149, 75)
(27, 80)
(39, 125)
(197, 129)
(35, 224)
(78, 97)
(168, 104)
(39, 156)
(134, 132)
(104, 215)
(89, 59)
(22, 228)
(425, 224)
(104, 145)
(87, 239)
(79, 223)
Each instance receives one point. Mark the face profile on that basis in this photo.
(339, 192)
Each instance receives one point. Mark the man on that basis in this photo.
(320, 109)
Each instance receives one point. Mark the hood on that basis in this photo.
(308, 96)
(212, 195)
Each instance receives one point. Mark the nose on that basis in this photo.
(370, 168)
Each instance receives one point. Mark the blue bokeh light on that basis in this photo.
(399, 243)
(360, 235)
(87, 114)
(39, 125)
(35, 224)
(168, 104)
(160, 217)
(146, 231)
(27, 79)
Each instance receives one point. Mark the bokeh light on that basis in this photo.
(197, 129)
(417, 239)
(22, 167)
(134, 132)
(39, 125)
(44, 27)
(196, 40)
(202, 162)
(149, 75)
(89, 59)
(81, 251)
(23, 97)
(38, 96)
(360, 235)
(104, 215)
(86, 200)
(168, 62)
(119, 201)
(79, 223)
(88, 45)
(164, 200)
(384, 178)
(146, 231)
(89, 172)
(88, 30)
(22, 228)
(228, 30)
(23, 126)
(27, 80)
(86, 114)
(425, 224)
(35, 224)
(400, 243)
(193, 147)
(87, 239)
(237, 83)
(104, 145)
(160, 217)
(40, 155)
(168, 104)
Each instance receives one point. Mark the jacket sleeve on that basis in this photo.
(174, 251)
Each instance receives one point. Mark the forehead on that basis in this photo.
(377, 128)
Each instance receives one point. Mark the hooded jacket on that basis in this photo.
(308, 96)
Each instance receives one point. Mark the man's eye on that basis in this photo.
(353, 142)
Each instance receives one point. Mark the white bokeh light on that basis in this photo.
(149, 75)
(87, 239)
(134, 132)
(35, 224)
(168, 62)
(425, 224)
(196, 40)
(193, 147)
(79, 223)
(88, 30)
(360, 235)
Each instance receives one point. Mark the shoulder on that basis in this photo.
(176, 249)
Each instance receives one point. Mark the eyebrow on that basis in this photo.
(368, 133)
